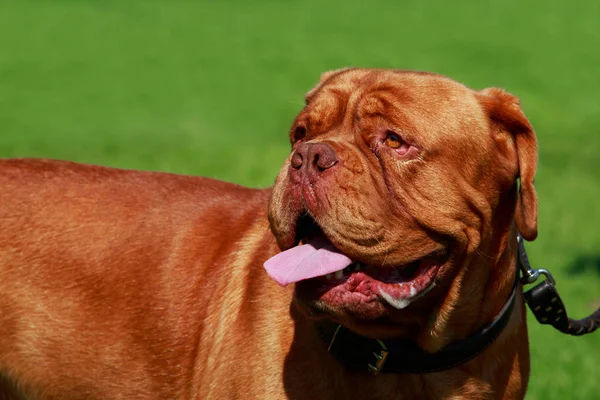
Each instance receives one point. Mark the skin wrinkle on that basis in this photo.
(400, 197)
(424, 199)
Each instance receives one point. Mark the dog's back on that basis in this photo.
(113, 270)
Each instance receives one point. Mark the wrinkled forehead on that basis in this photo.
(414, 101)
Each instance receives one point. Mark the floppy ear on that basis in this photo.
(325, 76)
(504, 111)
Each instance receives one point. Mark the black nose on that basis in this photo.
(314, 158)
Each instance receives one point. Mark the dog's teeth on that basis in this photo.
(328, 276)
(339, 274)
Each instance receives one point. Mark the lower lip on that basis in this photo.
(359, 287)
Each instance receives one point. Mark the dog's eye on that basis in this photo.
(393, 140)
(403, 149)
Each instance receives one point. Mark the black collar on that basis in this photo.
(401, 356)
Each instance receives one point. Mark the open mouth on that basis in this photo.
(398, 286)
(337, 279)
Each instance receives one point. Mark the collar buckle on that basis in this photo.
(380, 359)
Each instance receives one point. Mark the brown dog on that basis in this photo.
(401, 187)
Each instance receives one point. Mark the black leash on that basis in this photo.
(546, 304)
(400, 356)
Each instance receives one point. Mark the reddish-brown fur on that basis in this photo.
(134, 285)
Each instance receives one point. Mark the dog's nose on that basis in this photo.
(314, 158)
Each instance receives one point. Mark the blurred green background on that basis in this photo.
(210, 88)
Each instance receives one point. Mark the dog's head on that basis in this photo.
(398, 183)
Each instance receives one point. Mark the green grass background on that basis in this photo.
(211, 87)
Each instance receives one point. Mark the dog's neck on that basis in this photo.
(485, 303)
(477, 378)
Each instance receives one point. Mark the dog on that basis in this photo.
(392, 224)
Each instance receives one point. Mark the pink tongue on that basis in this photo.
(317, 258)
